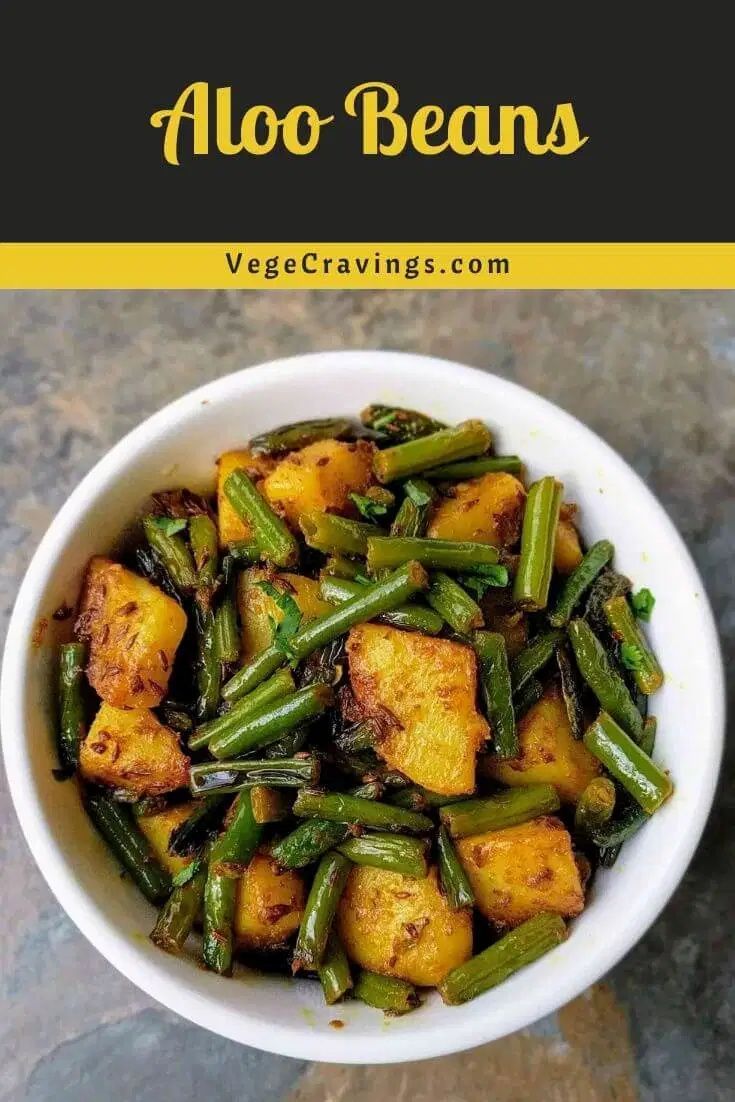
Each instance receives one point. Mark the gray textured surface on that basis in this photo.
(653, 373)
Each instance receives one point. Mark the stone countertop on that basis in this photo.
(654, 374)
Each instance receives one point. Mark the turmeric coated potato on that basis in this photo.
(402, 927)
(257, 608)
(517, 872)
(231, 527)
(488, 509)
(422, 691)
(129, 749)
(269, 906)
(320, 477)
(158, 829)
(133, 630)
(567, 548)
(549, 754)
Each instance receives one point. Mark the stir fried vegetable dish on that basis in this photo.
(372, 714)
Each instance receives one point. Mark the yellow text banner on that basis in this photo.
(356, 266)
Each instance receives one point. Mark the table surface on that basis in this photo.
(654, 374)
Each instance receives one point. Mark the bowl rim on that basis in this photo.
(279, 1038)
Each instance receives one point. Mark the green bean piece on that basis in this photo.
(460, 442)
(642, 662)
(611, 835)
(326, 888)
(179, 913)
(399, 424)
(388, 851)
(308, 842)
(413, 512)
(340, 807)
(357, 738)
(411, 616)
(522, 946)
(535, 566)
(594, 807)
(570, 690)
(291, 438)
(233, 776)
(273, 721)
(416, 798)
(393, 996)
(336, 535)
(227, 638)
(473, 468)
(389, 593)
(270, 532)
(454, 604)
(209, 667)
(529, 695)
(288, 746)
(228, 859)
(173, 553)
(603, 679)
(334, 971)
(648, 739)
(625, 760)
(337, 566)
(72, 717)
(497, 691)
(280, 684)
(454, 882)
(244, 551)
(534, 657)
(579, 581)
(518, 805)
(205, 548)
(190, 836)
(120, 831)
(252, 674)
(386, 552)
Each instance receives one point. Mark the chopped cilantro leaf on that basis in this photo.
(170, 525)
(284, 631)
(643, 602)
(183, 876)
(418, 496)
(368, 507)
(631, 656)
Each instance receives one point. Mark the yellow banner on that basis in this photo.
(355, 266)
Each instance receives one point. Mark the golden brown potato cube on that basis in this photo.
(488, 509)
(270, 805)
(133, 630)
(567, 548)
(517, 872)
(423, 693)
(320, 477)
(549, 754)
(130, 749)
(270, 903)
(403, 927)
(158, 829)
(230, 526)
(257, 608)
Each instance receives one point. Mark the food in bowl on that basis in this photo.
(372, 715)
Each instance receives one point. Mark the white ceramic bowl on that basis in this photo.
(178, 446)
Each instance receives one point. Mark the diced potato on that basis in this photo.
(402, 927)
(131, 750)
(488, 509)
(158, 829)
(320, 477)
(502, 616)
(270, 903)
(567, 548)
(270, 805)
(133, 629)
(549, 754)
(423, 692)
(257, 467)
(517, 872)
(257, 608)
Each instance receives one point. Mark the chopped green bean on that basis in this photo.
(594, 807)
(253, 673)
(340, 807)
(387, 993)
(579, 581)
(497, 691)
(454, 604)
(204, 548)
(179, 913)
(411, 616)
(326, 888)
(643, 664)
(280, 684)
(270, 532)
(72, 717)
(534, 657)
(445, 446)
(120, 831)
(399, 424)
(540, 519)
(334, 971)
(386, 552)
(622, 757)
(455, 884)
(604, 681)
(413, 513)
(173, 553)
(570, 691)
(228, 859)
(518, 805)
(336, 535)
(473, 468)
(273, 721)
(232, 776)
(388, 851)
(291, 438)
(226, 635)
